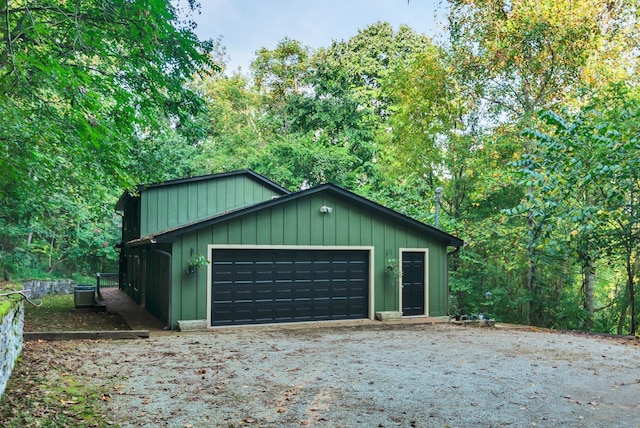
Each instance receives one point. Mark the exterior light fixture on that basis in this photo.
(488, 295)
(325, 209)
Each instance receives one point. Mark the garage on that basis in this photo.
(236, 248)
(276, 285)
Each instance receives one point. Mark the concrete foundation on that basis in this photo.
(192, 325)
(388, 315)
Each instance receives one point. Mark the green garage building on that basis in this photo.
(268, 255)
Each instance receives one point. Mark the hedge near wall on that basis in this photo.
(11, 328)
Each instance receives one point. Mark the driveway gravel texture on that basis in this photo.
(368, 374)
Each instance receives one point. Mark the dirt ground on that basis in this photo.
(373, 375)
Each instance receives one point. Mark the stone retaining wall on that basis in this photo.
(12, 320)
(11, 329)
(37, 289)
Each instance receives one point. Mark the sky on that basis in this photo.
(248, 25)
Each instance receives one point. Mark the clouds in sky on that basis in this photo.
(248, 25)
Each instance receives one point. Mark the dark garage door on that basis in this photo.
(260, 286)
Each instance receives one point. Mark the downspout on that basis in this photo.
(170, 290)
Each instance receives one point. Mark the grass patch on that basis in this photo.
(46, 390)
(58, 313)
(48, 387)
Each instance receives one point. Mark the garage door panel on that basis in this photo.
(283, 295)
(302, 294)
(278, 285)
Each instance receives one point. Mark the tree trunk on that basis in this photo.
(632, 292)
(51, 253)
(632, 307)
(623, 315)
(535, 306)
(588, 284)
(562, 280)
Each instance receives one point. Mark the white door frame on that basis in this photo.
(425, 251)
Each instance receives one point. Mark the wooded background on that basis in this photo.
(526, 113)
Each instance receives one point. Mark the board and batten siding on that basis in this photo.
(300, 223)
(165, 207)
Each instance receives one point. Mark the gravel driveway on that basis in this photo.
(370, 375)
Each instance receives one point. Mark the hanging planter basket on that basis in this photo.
(197, 262)
(392, 271)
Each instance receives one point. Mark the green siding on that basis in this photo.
(278, 222)
(157, 286)
(387, 234)
(202, 205)
(165, 207)
(301, 223)
(290, 227)
(131, 220)
(189, 295)
(438, 295)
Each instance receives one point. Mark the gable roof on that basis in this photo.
(171, 235)
(126, 196)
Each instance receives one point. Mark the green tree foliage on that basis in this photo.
(306, 117)
(525, 55)
(321, 111)
(521, 57)
(368, 57)
(81, 82)
(303, 124)
(434, 127)
(280, 73)
(587, 174)
(233, 121)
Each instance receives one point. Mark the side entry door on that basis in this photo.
(413, 283)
